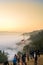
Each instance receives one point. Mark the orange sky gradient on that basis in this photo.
(21, 17)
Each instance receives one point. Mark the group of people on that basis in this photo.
(23, 59)
(19, 60)
(36, 55)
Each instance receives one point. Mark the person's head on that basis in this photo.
(15, 56)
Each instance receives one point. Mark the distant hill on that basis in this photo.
(33, 32)
(35, 35)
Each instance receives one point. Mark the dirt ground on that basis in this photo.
(31, 61)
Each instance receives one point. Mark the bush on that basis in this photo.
(3, 57)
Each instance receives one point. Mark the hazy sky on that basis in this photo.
(21, 15)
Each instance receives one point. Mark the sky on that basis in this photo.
(21, 15)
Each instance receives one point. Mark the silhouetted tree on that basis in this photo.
(3, 57)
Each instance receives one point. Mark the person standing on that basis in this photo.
(18, 59)
(21, 62)
(35, 57)
(15, 60)
(24, 58)
(6, 62)
(27, 59)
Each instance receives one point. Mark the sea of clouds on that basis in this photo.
(8, 43)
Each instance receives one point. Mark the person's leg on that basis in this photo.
(13, 63)
(35, 63)
(25, 63)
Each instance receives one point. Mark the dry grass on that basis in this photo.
(40, 61)
(31, 61)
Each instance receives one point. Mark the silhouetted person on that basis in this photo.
(27, 59)
(6, 62)
(35, 58)
(15, 60)
(24, 58)
(38, 52)
(21, 62)
(18, 59)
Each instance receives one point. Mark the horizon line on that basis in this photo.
(17, 32)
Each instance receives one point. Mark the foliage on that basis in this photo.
(26, 49)
(3, 57)
(36, 38)
(19, 53)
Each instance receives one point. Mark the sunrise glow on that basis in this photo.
(21, 17)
